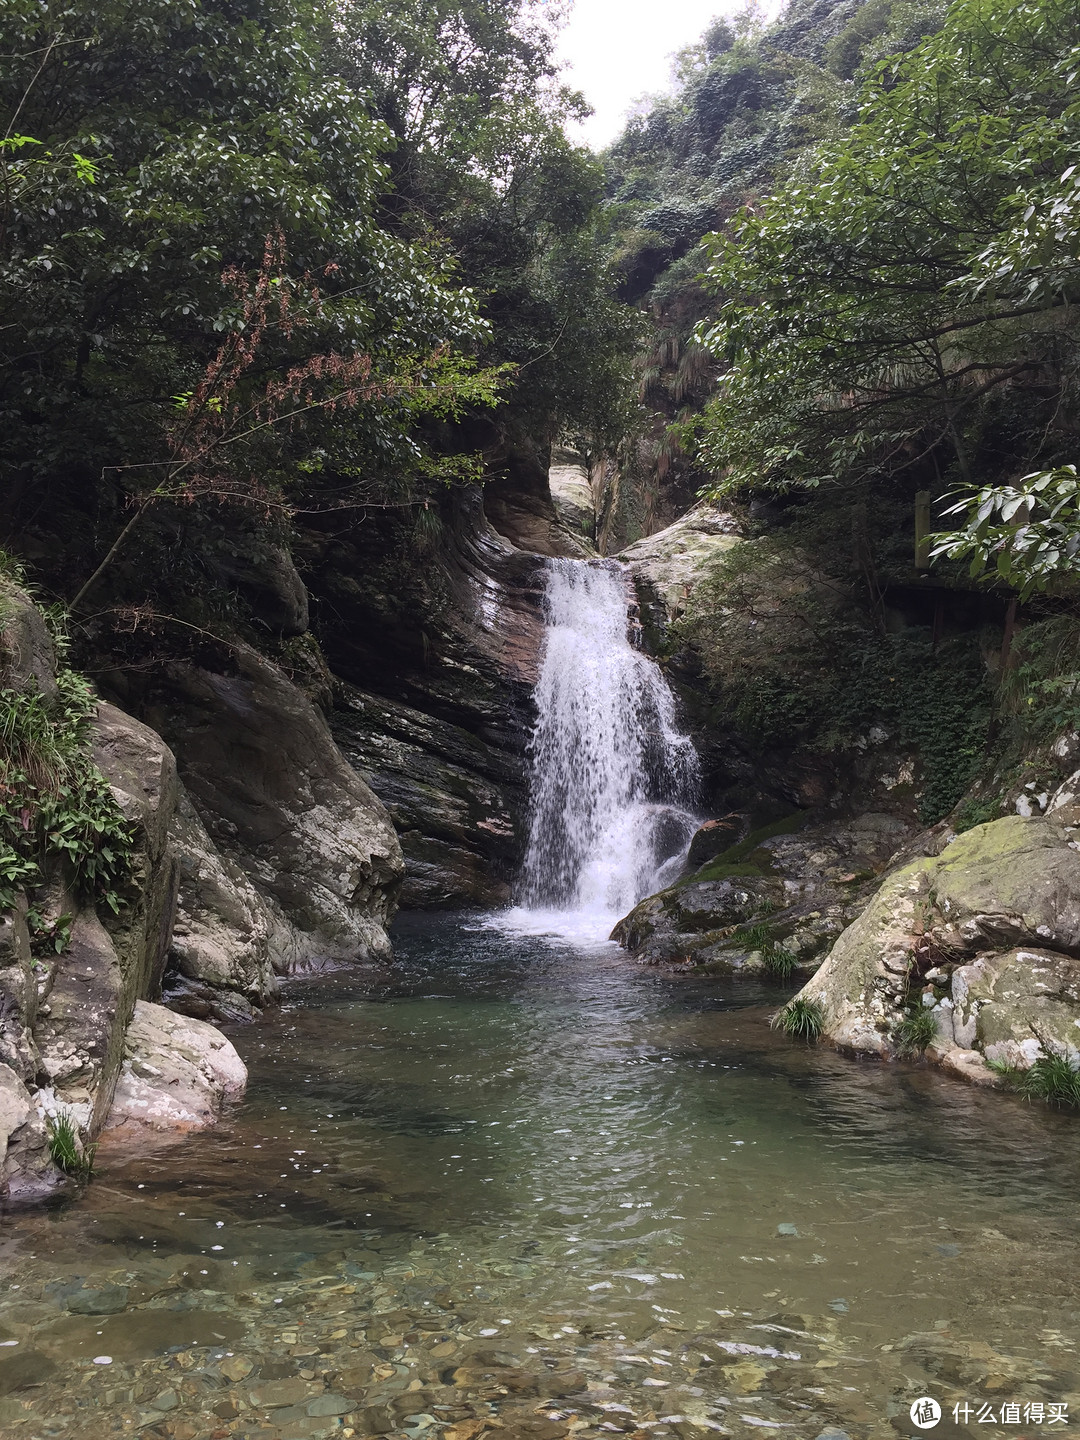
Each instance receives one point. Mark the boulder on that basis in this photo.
(141, 771)
(178, 1073)
(27, 654)
(790, 885)
(985, 935)
(18, 992)
(27, 1174)
(571, 493)
(277, 795)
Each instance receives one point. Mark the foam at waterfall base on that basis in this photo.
(588, 929)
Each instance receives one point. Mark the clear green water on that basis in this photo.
(584, 1176)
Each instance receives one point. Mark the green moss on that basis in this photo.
(746, 859)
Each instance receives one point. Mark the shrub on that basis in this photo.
(801, 1019)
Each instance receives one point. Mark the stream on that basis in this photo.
(517, 1179)
(513, 1182)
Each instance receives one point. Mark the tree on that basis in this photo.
(914, 268)
(180, 136)
(481, 168)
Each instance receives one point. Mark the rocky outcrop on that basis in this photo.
(437, 662)
(519, 503)
(985, 937)
(307, 868)
(229, 942)
(278, 798)
(775, 900)
(572, 495)
(670, 565)
(456, 802)
(177, 1075)
(27, 1174)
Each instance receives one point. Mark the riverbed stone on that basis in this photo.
(108, 1300)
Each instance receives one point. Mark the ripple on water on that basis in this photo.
(514, 1179)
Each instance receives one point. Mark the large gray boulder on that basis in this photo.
(229, 942)
(670, 565)
(790, 885)
(985, 936)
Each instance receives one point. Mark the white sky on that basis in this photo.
(619, 50)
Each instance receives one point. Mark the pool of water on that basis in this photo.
(520, 1183)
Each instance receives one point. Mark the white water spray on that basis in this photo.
(612, 776)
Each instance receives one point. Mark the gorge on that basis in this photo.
(539, 726)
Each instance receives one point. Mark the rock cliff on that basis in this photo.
(277, 856)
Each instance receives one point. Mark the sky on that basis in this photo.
(620, 50)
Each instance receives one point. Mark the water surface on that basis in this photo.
(523, 1181)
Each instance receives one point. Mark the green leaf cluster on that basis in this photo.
(1026, 533)
(56, 808)
(914, 278)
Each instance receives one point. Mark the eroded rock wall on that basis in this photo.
(436, 663)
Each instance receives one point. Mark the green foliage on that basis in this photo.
(779, 962)
(1026, 533)
(481, 166)
(801, 1019)
(67, 1149)
(1040, 692)
(55, 805)
(202, 136)
(1051, 1079)
(915, 1031)
(910, 274)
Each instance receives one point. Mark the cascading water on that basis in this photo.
(613, 778)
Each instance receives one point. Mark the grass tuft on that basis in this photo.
(915, 1031)
(800, 1019)
(68, 1152)
(779, 962)
(1051, 1079)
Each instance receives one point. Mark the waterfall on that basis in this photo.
(612, 776)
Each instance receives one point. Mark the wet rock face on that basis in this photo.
(985, 936)
(278, 797)
(457, 803)
(438, 661)
(790, 886)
